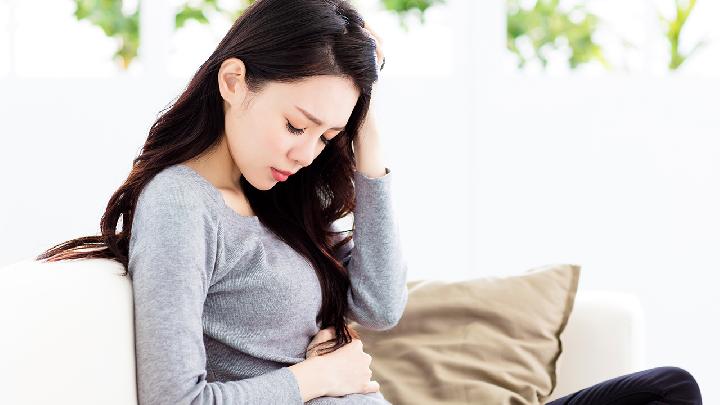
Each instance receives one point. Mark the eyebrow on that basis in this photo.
(316, 120)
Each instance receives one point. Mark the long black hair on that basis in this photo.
(281, 41)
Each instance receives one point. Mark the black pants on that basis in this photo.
(656, 386)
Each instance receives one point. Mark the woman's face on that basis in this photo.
(284, 125)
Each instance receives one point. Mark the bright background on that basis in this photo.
(497, 169)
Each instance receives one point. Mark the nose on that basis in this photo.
(305, 150)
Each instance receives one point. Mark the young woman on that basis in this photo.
(243, 282)
(230, 219)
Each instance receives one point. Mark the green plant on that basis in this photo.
(673, 28)
(548, 27)
(110, 17)
(124, 27)
(201, 12)
(404, 8)
(115, 23)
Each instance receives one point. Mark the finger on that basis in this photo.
(379, 54)
(353, 333)
(367, 27)
(324, 334)
(371, 35)
(372, 386)
(378, 40)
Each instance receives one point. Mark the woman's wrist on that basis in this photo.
(310, 375)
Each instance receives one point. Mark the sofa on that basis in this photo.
(67, 335)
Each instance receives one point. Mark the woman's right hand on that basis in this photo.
(348, 370)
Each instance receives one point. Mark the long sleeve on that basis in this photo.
(172, 254)
(378, 272)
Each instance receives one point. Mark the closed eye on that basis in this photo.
(300, 131)
(296, 131)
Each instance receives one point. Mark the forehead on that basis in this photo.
(329, 98)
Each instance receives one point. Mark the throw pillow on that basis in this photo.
(492, 340)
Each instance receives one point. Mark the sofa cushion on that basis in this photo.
(492, 340)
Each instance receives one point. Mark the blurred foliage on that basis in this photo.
(205, 8)
(115, 23)
(673, 28)
(547, 27)
(109, 16)
(405, 8)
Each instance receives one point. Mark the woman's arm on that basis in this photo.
(171, 259)
(308, 374)
(378, 272)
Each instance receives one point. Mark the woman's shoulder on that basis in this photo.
(172, 217)
(177, 186)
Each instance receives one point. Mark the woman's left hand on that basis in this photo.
(327, 337)
(322, 336)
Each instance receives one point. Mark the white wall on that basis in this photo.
(620, 175)
(494, 173)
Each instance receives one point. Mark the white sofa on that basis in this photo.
(67, 335)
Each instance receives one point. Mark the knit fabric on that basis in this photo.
(223, 306)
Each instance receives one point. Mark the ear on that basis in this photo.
(231, 81)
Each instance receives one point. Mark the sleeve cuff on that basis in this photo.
(283, 381)
(372, 194)
(364, 177)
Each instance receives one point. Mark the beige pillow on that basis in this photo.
(491, 340)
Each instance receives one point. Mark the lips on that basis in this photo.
(279, 176)
(283, 172)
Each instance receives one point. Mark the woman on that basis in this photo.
(242, 282)
(236, 266)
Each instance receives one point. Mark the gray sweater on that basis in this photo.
(223, 306)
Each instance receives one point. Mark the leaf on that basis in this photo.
(189, 13)
(548, 27)
(108, 16)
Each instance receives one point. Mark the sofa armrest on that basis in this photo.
(604, 338)
(67, 333)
